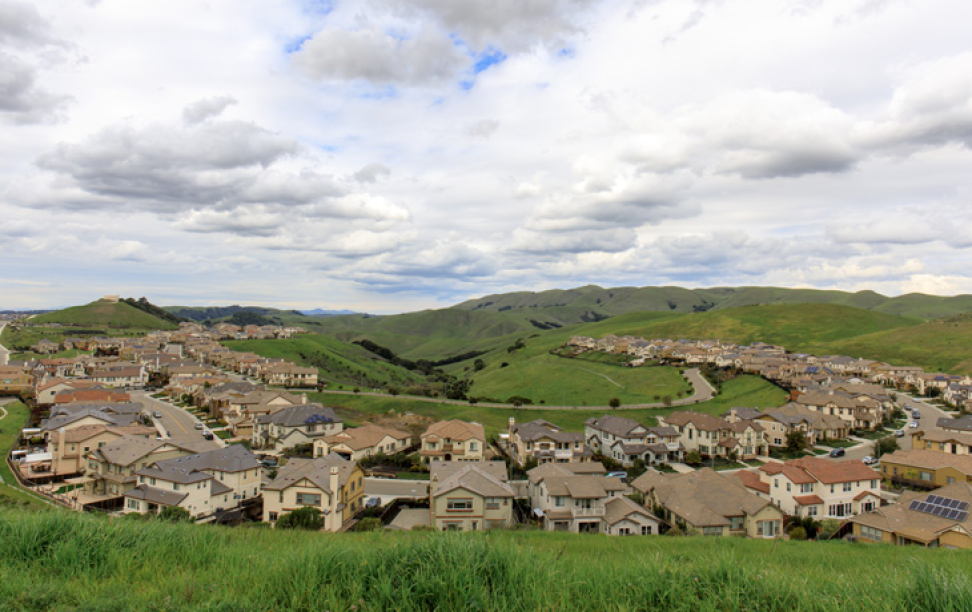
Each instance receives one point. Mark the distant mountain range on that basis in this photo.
(317, 312)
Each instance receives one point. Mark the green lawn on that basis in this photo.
(748, 391)
(62, 561)
(10, 492)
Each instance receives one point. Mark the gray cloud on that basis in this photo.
(375, 56)
(371, 173)
(21, 101)
(204, 109)
(482, 129)
(22, 25)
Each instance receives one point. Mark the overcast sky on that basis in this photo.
(392, 155)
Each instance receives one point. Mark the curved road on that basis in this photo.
(703, 392)
(177, 423)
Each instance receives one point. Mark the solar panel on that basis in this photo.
(941, 511)
(922, 507)
(914, 505)
(953, 514)
(962, 516)
(963, 506)
(953, 503)
(934, 499)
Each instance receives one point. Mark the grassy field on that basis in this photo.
(944, 345)
(340, 363)
(750, 391)
(10, 426)
(51, 561)
(118, 315)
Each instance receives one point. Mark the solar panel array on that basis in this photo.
(944, 507)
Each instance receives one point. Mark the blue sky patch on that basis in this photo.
(490, 57)
(294, 45)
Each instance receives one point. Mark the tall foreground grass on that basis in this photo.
(56, 561)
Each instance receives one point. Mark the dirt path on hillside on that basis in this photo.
(703, 392)
(616, 384)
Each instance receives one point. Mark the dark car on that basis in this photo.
(207, 435)
(837, 452)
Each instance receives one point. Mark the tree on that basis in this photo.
(308, 518)
(885, 445)
(479, 365)
(175, 514)
(796, 441)
(693, 458)
(614, 402)
(667, 400)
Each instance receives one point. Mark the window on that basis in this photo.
(646, 530)
(133, 504)
(925, 475)
(451, 526)
(175, 486)
(463, 504)
(811, 511)
(776, 483)
(737, 523)
(874, 484)
(847, 487)
(273, 516)
(712, 531)
(950, 480)
(840, 510)
(308, 499)
(492, 503)
(806, 487)
(559, 502)
(624, 531)
(582, 503)
(767, 529)
(788, 487)
(472, 446)
(871, 533)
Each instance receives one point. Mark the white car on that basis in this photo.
(913, 424)
(899, 433)
(869, 460)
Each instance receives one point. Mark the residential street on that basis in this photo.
(176, 423)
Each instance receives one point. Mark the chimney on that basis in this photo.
(512, 423)
(333, 482)
(60, 445)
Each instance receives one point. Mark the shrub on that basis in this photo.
(693, 458)
(372, 524)
(614, 402)
(175, 514)
(422, 528)
(798, 533)
(308, 518)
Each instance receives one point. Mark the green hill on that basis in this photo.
(339, 363)
(567, 306)
(944, 345)
(102, 314)
(68, 561)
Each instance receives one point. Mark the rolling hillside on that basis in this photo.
(568, 306)
(101, 314)
(340, 364)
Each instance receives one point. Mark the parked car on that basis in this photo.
(199, 425)
(899, 433)
(373, 502)
(622, 475)
(207, 435)
(869, 460)
(916, 415)
(157, 414)
(913, 424)
(837, 452)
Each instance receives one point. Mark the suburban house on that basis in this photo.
(111, 469)
(860, 413)
(926, 468)
(583, 503)
(78, 396)
(365, 441)
(938, 519)
(46, 392)
(295, 425)
(331, 484)
(15, 380)
(453, 441)
(710, 503)
(544, 442)
(961, 424)
(68, 447)
(203, 483)
(955, 443)
(714, 437)
(469, 495)
(131, 376)
(626, 441)
(818, 488)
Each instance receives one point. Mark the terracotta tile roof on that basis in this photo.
(366, 436)
(751, 480)
(930, 460)
(808, 500)
(456, 430)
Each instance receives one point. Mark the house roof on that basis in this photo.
(615, 425)
(316, 470)
(456, 430)
(702, 498)
(156, 496)
(808, 500)
(86, 432)
(620, 508)
(474, 478)
(929, 459)
(938, 435)
(444, 469)
(129, 449)
(900, 519)
(232, 459)
(751, 480)
(304, 414)
(703, 422)
(963, 423)
(366, 436)
(814, 469)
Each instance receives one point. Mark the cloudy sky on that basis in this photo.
(392, 155)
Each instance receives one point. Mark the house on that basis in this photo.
(710, 503)
(69, 447)
(295, 425)
(45, 347)
(585, 503)
(134, 376)
(365, 441)
(818, 488)
(943, 441)
(711, 436)
(15, 380)
(926, 468)
(203, 483)
(453, 440)
(940, 519)
(544, 442)
(110, 470)
(78, 396)
(626, 441)
(46, 392)
(332, 484)
(961, 424)
(469, 495)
